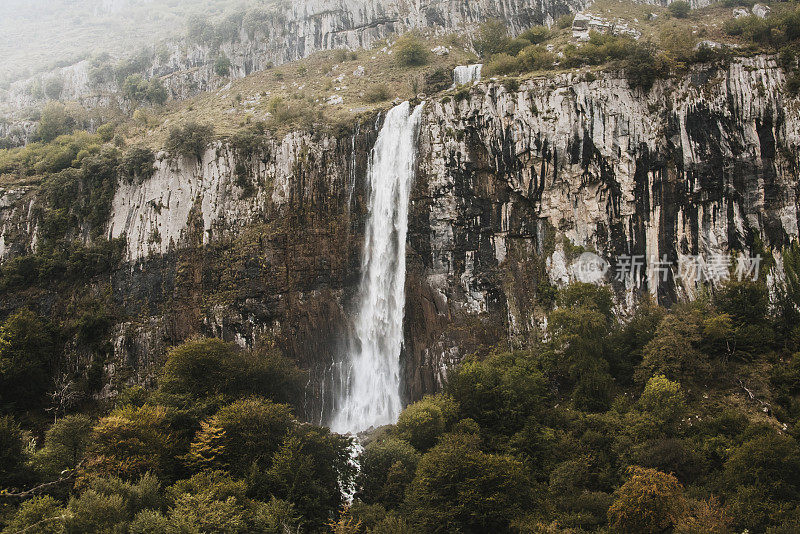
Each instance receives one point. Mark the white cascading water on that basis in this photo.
(370, 381)
(467, 74)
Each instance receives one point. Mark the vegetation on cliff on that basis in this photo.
(679, 420)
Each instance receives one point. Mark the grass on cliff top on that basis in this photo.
(328, 87)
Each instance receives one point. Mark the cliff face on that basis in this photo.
(287, 32)
(512, 185)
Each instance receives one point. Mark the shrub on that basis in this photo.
(410, 51)
(276, 516)
(536, 34)
(492, 39)
(565, 21)
(377, 93)
(189, 140)
(310, 470)
(387, 467)
(156, 92)
(650, 502)
(663, 400)
(212, 369)
(149, 522)
(64, 444)
(130, 442)
(42, 515)
(137, 163)
(222, 65)
(106, 132)
(11, 449)
(503, 64)
(95, 512)
(643, 68)
(27, 348)
(458, 488)
(535, 57)
(424, 421)
(55, 121)
(679, 9)
(673, 350)
(240, 435)
(500, 392)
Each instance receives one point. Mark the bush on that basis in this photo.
(189, 140)
(64, 444)
(136, 89)
(55, 121)
(11, 449)
(458, 488)
(206, 369)
(310, 470)
(27, 350)
(673, 351)
(276, 517)
(241, 435)
(503, 64)
(423, 422)
(138, 163)
(565, 21)
(663, 400)
(149, 522)
(492, 39)
(650, 502)
(535, 57)
(222, 65)
(679, 9)
(40, 515)
(130, 442)
(95, 512)
(387, 467)
(377, 93)
(536, 34)
(411, 51)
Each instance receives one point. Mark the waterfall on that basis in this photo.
(467, 74)
(370, 377)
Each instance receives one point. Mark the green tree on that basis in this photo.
(244, 433)
(11, 450)
(411, 51)
(132, 441)
(770, 462)
(499, 393)
(64, 444)
(664, 400)
(386, 468)
(421, 423)
(27, 352)
(55, 121)
(673, 351)
(95, 512)
(310, 470)
(222, 65)
(458, 488)
(650, 502)
(492, 38)
(189, 140)
(39, 515)
(213, 370)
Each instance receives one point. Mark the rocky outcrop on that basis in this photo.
(513, 183)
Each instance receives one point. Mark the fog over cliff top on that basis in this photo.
(57, 32)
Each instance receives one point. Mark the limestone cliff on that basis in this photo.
(513, 182)
(286, 32)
